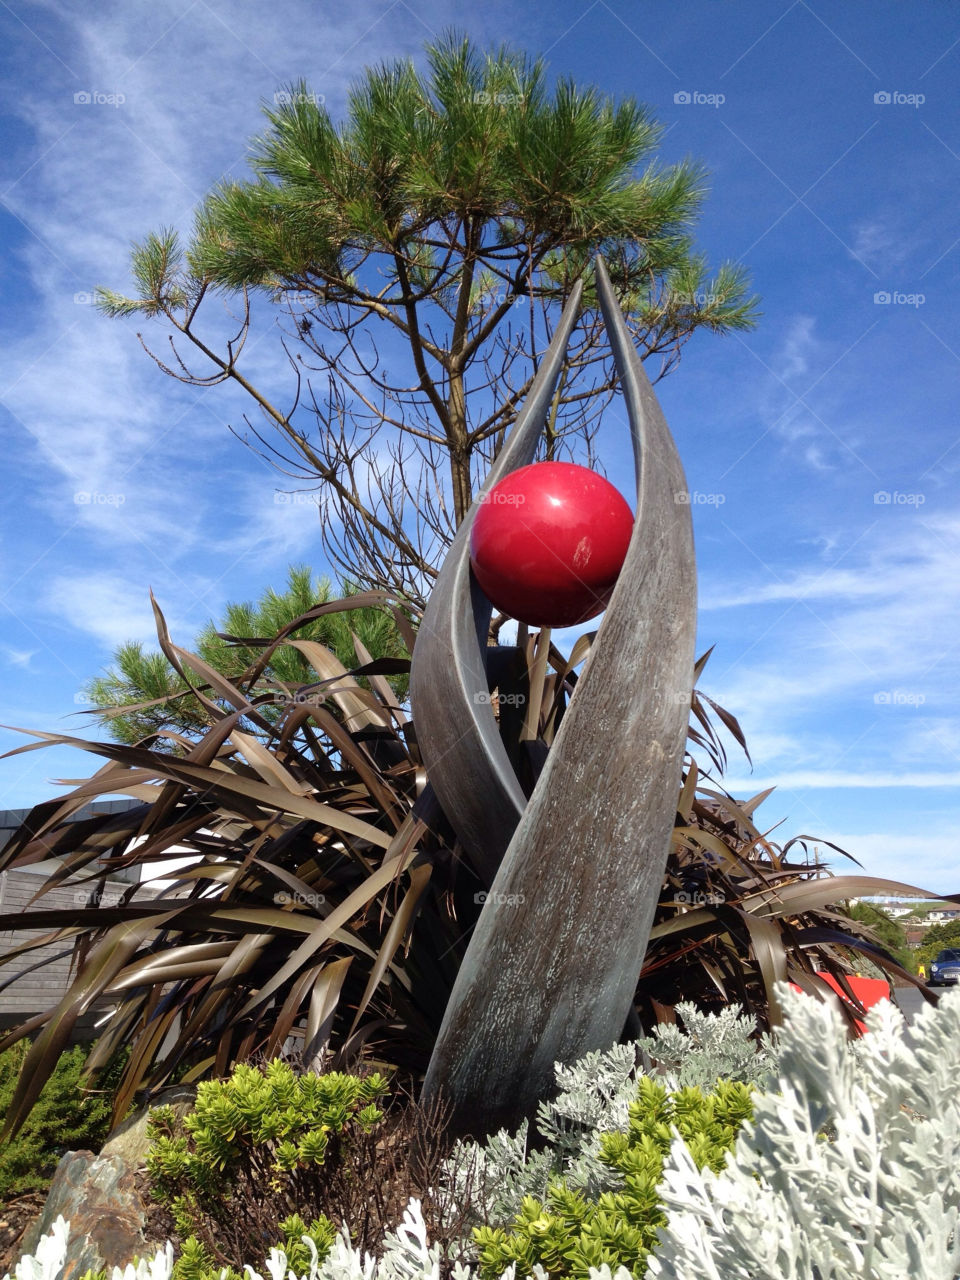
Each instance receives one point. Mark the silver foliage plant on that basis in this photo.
(594, 1097)
(850, 1169)
(710, 1047)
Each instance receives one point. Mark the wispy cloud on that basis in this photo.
(112, 609)
(18, 657)
(846, 676)
(792, 360)
(884, 241)
(927, 861)
(787, 398)
(832, 778)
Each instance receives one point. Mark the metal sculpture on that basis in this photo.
(574, 873)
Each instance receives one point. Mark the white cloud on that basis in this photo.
(882, 241)
(928, 862)
(274, 521)
(793, 357)
(794, 370)
(936, 736)
(112, 610)
(844, 778)
(815, 584)
(847, 676)
(18, 657)
(892, 608)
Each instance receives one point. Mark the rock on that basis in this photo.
(129, 1139)
(98, 1195)
(99, 1198)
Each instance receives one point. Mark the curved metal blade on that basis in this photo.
(466, 761)
(552, 966)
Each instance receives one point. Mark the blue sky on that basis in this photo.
(822, 449)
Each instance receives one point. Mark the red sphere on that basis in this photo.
(548, 543)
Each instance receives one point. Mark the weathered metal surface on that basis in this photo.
(457, 734)
(552, 966)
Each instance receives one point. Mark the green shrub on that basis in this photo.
(262, 1148)
(66, 1117)
(570, 1231)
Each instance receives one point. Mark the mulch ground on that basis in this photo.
(15, 1216)
(158, 1226)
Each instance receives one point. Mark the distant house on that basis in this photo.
(934, 909)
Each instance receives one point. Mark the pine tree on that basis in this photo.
(421, 251)
(160, 700)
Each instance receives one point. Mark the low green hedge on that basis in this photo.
(66, 1117)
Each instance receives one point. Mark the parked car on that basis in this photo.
(945, 969)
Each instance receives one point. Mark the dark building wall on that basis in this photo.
(36, 990)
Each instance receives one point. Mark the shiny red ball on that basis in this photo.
(548, 543)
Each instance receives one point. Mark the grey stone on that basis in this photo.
(98, 1196)
(129, 1139)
